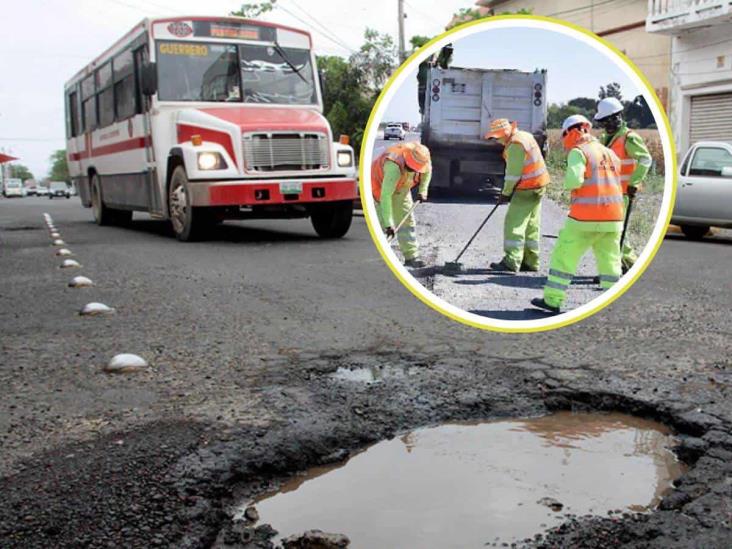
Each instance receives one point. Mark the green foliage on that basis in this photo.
(417, 41)
(254, 9)
(556, 113)
(59, 168)
(464, 15)
(19, 171)
(611, 90)
(375, 59)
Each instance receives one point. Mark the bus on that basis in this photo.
(200, 119)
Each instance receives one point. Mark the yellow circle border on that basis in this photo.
(375, 230)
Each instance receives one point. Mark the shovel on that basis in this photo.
(404, 219)
(627, 218)
(452, 267)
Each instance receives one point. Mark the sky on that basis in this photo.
(573, 68)
(45, 42)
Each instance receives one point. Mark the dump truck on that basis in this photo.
(459, 106)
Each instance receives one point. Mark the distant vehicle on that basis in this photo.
(459, 106)
(41, 190)
(201, 119)
(13, 187)
(58, 189)
(31, 191)
(394, 131)
(704, 193)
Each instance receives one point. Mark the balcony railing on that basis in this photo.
(672, 16)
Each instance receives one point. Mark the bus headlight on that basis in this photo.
(345, 159)
(211, 161)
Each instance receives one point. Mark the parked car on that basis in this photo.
(13, 187)
(394, 131)
(31, 191)
(58, 189)
(41, 190)
(704, 193)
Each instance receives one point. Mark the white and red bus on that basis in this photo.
(201, 119)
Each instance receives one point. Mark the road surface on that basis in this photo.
(243, 333)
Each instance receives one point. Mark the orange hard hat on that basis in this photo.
(500, 127)
(417, 157)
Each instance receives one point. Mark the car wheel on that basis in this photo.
(694, 232)
(332, 220)
(188, 223)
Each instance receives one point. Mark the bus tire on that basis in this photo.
(332, 220)
(102, 214)
(188, 223)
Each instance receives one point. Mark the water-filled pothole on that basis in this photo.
(471, 484)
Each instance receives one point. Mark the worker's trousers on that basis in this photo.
(401, 202)
(522, 229)
(572, 244)
(629, 257)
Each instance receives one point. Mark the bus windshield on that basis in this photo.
(198, 71)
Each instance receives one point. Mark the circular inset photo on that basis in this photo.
(517, 173)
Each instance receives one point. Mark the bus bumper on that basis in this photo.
(256, 193)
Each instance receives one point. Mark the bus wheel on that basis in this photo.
(102, 214)
(188, 223)
(332, 220)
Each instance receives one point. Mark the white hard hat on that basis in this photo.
(574, 120)
(608, 107)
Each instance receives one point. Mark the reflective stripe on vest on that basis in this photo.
(396, 155)
(534, 174)
(600, 197)
(627, 164)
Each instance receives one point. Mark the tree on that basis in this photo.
(59, 168)
(557, 112)
(464, 15)
(19, 171)
(254, 10)
(586, 103)
(375, 59)
(611, 90)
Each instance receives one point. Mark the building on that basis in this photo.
(701, 66)
(621, 22)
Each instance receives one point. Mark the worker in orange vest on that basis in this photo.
(393, 175)
(595, 213)
(635, 159)
(524, 185)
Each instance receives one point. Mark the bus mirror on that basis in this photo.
(321, 79)
(149, 79)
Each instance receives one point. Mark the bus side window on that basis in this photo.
(125, 102)
(88, 103)
(105, 95)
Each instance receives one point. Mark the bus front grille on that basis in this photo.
(286, 151)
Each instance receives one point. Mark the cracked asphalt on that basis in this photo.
(243, 332)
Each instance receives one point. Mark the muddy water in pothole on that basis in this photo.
(471, 484)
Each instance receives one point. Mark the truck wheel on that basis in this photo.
(189, 223)
(694, 232)
(332, 220)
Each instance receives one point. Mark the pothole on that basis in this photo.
(472, 484)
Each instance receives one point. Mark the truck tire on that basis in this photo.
(332, 220)
(104, 215)
(694, 232)
(188, 223)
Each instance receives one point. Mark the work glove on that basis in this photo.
(421, 197)
(632, 191)
(389, 232)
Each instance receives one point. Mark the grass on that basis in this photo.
(647, 204)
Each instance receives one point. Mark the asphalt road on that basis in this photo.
(243, 332)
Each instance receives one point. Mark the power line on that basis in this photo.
(334, 37)
(328, 36)
(424, 15)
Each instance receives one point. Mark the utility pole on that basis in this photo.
(402, 52)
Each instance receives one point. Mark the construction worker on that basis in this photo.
(595, 213)
(634, 158)
(393, 174)
(525, 184)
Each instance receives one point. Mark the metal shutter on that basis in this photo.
(711, 118)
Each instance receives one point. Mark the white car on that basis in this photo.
(41, 191)
(394, 131)
(704, 193)
(13, 187)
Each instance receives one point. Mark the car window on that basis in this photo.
(709, 161)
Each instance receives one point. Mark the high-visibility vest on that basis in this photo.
(394, 153)
(600, 198)
(534, 174)
(627, 164)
